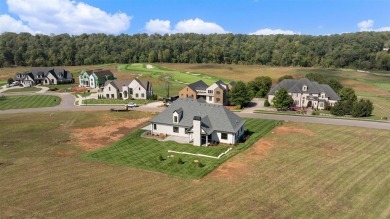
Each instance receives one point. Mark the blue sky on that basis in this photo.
(314, 17)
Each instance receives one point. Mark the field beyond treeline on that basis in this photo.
(363, 50)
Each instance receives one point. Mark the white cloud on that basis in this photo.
(67, 16)
(268, 31)
(186, 26)
(158, 26)
(9, 24)
(368, 26)
(365, 25)
(197, 26)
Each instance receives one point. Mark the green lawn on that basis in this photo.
(144, 153)
(3, 82)
(25, 89)
(115, 101)
(178, 79)
(33, 101)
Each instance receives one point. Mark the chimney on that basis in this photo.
(197, 132)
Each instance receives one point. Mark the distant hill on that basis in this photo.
(363, 50)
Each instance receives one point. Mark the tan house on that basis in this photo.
(306, 93)
(217, 93)
(127, 89)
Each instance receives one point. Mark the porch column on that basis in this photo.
(207, 140)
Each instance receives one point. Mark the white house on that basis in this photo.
(126, 89)
(199, 122)
(306, 93)
(44, 76)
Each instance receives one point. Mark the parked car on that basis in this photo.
(15, 83)
(131, 105)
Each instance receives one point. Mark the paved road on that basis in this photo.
(67, 104)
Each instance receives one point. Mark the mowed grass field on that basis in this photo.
(31, 101)
(25, 89)
(296, 171)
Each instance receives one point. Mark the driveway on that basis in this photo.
(256, 104)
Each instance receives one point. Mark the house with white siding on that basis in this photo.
(306, 93)
(44, 76)
(127, 89)
(200, 122)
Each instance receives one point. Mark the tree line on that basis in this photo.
(363, 50)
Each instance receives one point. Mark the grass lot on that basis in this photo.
(25, 89)
(32, 101)
(115, 101)
(143, 153)
(296, 171)
(3, 83)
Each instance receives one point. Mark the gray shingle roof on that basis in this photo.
(103, 73)
(214, 117)
(40, 73)
(313, 87)
(199, 85)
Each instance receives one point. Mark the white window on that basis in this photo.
(210, 91)
(210, 98)
(175, 129)
(155, 126)
(304, 88)
(224, 136)
(175, 119)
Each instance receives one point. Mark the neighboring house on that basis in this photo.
(44, 76)
(306, 93)
(126, 89)
(217, 93)
(95, 78)
(199, 122)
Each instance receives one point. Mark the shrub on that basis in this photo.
(161, 158)
(363, 108)
(384, 118)
(180, 161)
(10, 80)
(315, 113)
(200, 164)
(266, 103)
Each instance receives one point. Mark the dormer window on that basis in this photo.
(322, 95)
(304, 88)
(177, 115)
(175, 119)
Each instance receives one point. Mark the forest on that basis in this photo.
(362, 50)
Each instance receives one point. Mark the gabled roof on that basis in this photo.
(39, 73)
(313, 87)
(118, 84)
(214, 117)
(199, 85)
(145, 84)
(103, 73)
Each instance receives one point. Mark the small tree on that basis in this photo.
(347, 94)
(362, 108)
(282, 99)
(285, 77)
(266, 103)
(264, 84)
(180, 161)
(10, 80)
(315, 77)
(334, 84)
(338, 109)
(239, 94)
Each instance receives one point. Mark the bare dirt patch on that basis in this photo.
(239, 166)
(94, 138)
(283, 130)
(78, 89)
